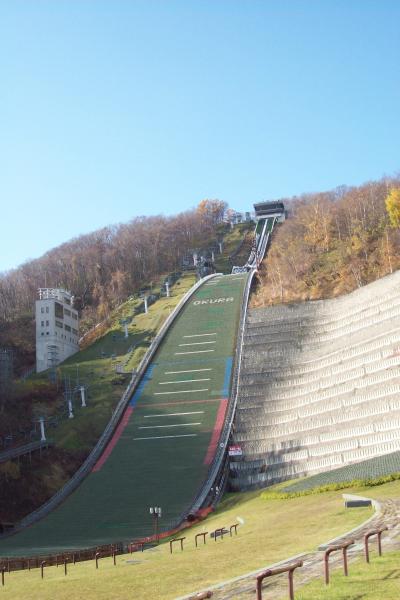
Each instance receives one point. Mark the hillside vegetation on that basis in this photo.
(235, 251)
(103, 268)
(332, 243)
(26, 485)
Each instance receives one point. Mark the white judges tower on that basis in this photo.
(56, 328)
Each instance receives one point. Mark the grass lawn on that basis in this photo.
(380, 580)
(272, 530)
(387, 490)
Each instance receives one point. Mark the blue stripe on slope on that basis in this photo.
(146, 377)
(227, 377)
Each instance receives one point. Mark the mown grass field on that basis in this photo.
(380, 580)
(272, 530)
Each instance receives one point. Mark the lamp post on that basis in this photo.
(83, 399)
(156, 512)
(42, 431)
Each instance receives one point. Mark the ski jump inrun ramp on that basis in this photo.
(163, 449)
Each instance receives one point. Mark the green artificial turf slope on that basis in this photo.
(160, 456)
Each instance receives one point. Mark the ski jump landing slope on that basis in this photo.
(162, 449)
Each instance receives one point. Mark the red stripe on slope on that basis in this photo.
(219, 423)
(117, 434)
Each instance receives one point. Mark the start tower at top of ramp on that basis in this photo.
(163, 448)
(263, 210)
(267, 214)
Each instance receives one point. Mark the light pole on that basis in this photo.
(156, 512)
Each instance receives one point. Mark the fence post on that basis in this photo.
(198, 535)
(344, 546)
(289, 569)
(234, 526)
(176, 540)
(369, 534)
(290, 582)
(221, 531)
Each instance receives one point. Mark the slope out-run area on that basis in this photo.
(161, 451)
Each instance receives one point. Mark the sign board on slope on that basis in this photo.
(235, 451)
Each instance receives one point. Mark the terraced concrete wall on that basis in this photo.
(319, 385)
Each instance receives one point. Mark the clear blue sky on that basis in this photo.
(111, 109)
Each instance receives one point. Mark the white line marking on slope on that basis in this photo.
(198, 343)
(190, 371)
(180, 392)
(164, 437)
(199, 335)
(193, 412)
(193, 352)
(164, 426)
(182, 381)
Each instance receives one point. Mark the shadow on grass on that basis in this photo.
(392, 575)
(233, 499)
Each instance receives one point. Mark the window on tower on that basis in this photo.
(59, 311)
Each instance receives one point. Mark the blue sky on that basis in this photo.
(118, 108)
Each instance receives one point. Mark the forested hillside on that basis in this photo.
(332, 243)
(103, 268)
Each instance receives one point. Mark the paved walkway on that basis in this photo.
(244, 588)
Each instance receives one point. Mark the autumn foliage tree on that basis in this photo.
(392, 203)
(332, 243)
(104, 267)
(212, 211)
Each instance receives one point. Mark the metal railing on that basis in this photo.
(343, 546)
(289, 569)
(25, 449)
(377, 532)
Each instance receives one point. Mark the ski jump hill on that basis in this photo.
(305, 389)
(166, 444)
